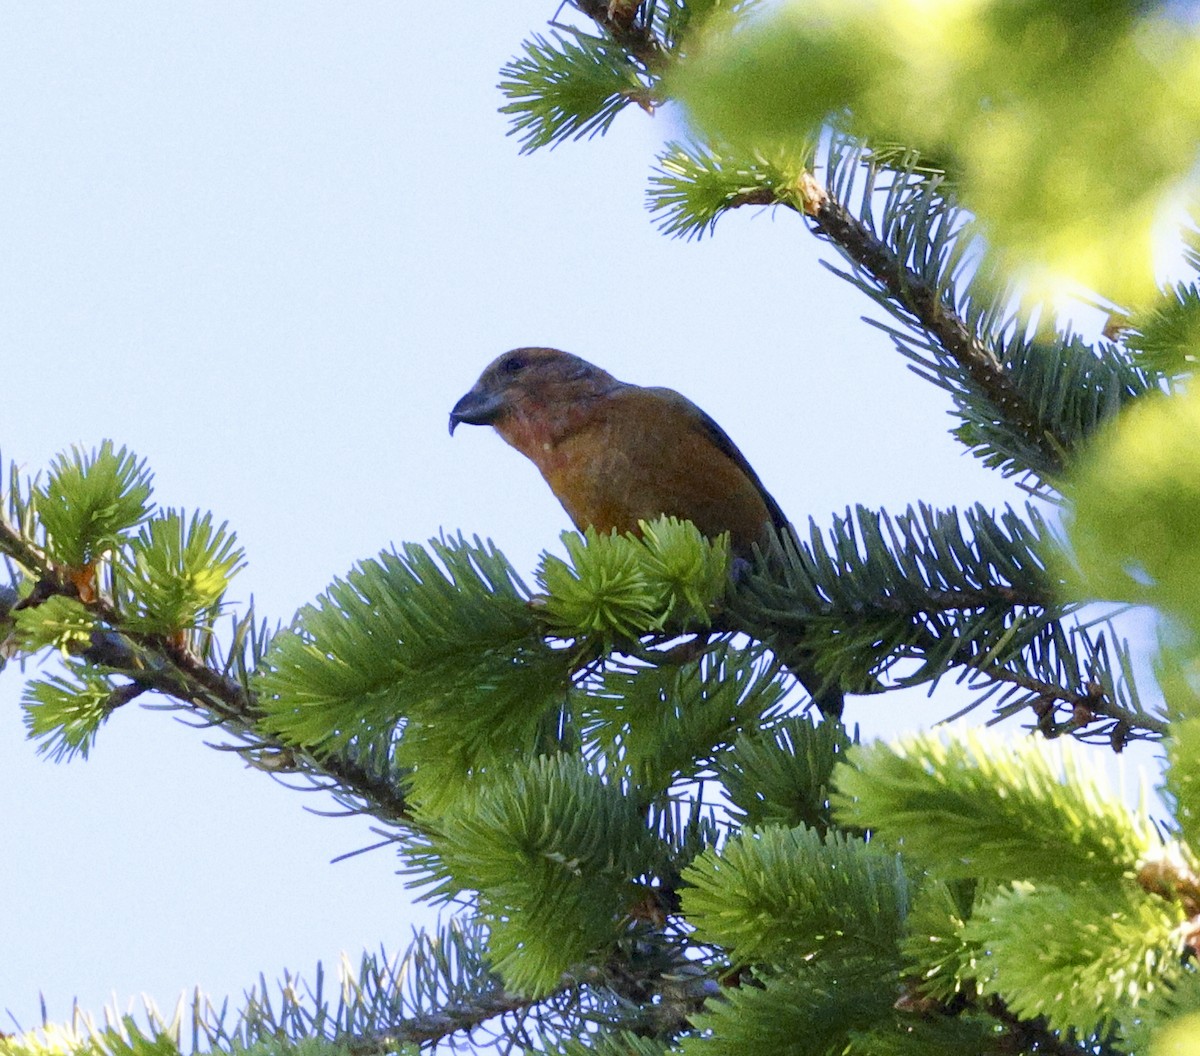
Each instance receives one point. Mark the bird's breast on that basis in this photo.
(635, 457)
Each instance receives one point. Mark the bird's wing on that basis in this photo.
(727, 447)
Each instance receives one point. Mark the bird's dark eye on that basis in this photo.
(513, 365)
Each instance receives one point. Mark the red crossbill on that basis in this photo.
(615, 454)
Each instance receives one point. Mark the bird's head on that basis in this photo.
(528, 385)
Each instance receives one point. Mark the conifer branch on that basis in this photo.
(462, 1017)
(1027, 399)
(952, 591)
(929, 309)
(163, 664)
(445, 985)
(474, 1013)
(623, 22)
(1084, 708)
(18, 548)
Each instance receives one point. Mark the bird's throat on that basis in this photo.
(536, 436)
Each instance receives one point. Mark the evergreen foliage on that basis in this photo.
(326, 682)
(65, 713)
(179, 572)
(654, 724)
(775, 895)
(622, 1044)
(90, 501)
(1164, 336)
(992, 811)
(874, 591)
(563, 88)
(694, 184)
(959, 80)
(551, 850)
(781, 773)
(617, 587)
(1083, 959)
(811, 1008)
(611, 774)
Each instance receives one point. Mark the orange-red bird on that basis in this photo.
(615, 454)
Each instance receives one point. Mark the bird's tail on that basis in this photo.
(828, 696)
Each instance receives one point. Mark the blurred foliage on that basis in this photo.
(1136, 509)
(1133, 535)
(1181, 1038)
(1072, 129)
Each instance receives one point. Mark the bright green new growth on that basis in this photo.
(980, 806)
(1070, 927)
(1084, 957)
(693, 185)
(1063, 931)
(90, 501)
(939, 961)
(64, 714)
(604, 589)
(178, 572)
(618, 587)
(691, 570)
(579, 95)
(447, 648)
(431, 635)
(127, 1039)
(60, 623)
(573, 84)
(104, 598)
(124, 1036)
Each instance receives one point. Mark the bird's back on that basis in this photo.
(643, 452)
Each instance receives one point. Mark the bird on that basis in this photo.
(616, 454)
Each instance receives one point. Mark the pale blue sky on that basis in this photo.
(268, 245)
